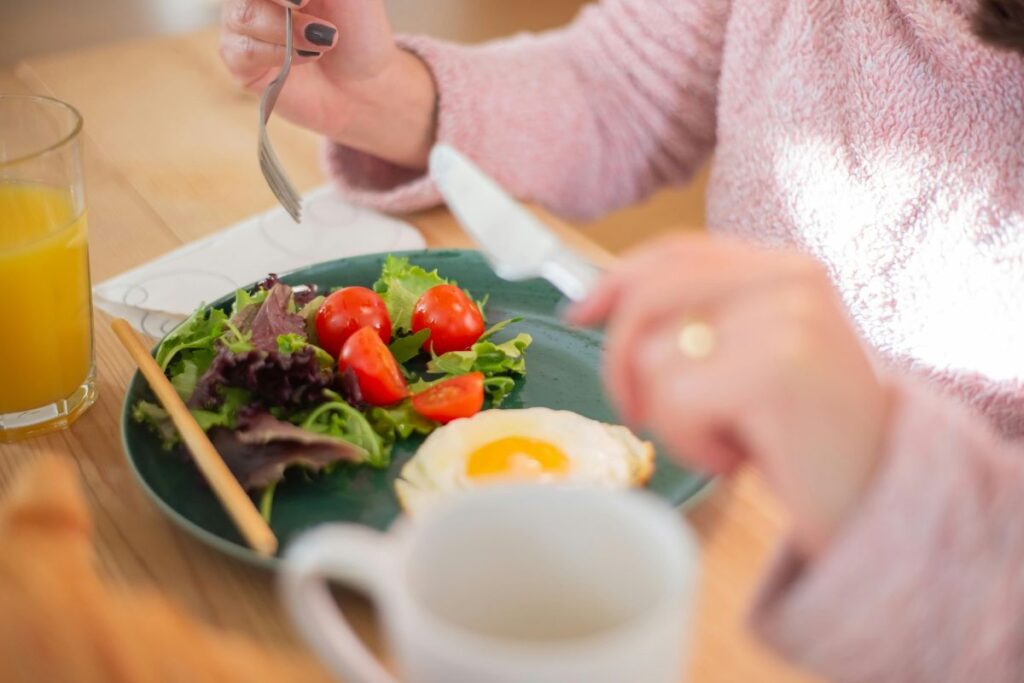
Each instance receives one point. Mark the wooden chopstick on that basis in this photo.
(232, 496)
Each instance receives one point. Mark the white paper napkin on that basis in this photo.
(156, 296)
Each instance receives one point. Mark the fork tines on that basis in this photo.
(278, 182)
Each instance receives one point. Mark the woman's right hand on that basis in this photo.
(349, 81)
(779, 376)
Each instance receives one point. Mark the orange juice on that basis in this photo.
(45, 314)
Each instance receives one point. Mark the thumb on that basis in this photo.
(365, 42)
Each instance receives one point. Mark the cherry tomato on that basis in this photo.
(460, 396)
(380, 381)
(453, 319)
(347, 311)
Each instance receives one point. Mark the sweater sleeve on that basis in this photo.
(924, 584)
(582, 120)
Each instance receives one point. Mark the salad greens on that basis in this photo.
(498, 362)
(199, 331)
(158, 421)
(339, 419)
(234, 399)
(401, 284)
(405, 349)
(271, 398)
(399, 422)
(289, 344)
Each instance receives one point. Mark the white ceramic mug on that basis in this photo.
(511, 585)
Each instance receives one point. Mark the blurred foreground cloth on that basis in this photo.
(60, 623)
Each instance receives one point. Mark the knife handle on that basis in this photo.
(573, 275)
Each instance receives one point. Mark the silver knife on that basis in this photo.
(515, 243)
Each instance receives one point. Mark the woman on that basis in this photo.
(876, 147)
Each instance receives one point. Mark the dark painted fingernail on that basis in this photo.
(307, 53)
(295, 2)
(320, 34)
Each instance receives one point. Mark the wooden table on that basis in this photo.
(170, 157)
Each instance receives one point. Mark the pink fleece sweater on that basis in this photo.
(884, 138)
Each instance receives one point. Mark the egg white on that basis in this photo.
(600, 455)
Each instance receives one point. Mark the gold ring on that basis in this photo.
(697, 339)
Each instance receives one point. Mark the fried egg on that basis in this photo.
(533, 445)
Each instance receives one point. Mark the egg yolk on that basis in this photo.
(517, 457)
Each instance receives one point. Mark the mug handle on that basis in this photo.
(355, 556)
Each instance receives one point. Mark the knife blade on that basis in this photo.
(516, 244)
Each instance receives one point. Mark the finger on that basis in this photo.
(695, 290)
(629, 378)
(265, 22)
(291, 4)
(255, 63)
(698, 441)
(671, 294)
(691, 405)
(685, 256)
(365, 22)
(650, 257)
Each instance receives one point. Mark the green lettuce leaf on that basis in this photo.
(338, 419)
(399, 422)
(184, 375)
(308, 314)
(290, 343)
(158, 421)
(499, 362)
(405, 349)
(225, 414)
(481, 304)
(401, 284)
(498, 327)
(244, 299)
(236, 340)
(418, 384)
(185, 371)
(200, 330)
(267, 501)
(486, 357)
(498, 388)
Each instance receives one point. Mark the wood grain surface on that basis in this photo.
(170, 157)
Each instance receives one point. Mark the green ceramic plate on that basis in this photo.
(563, 372)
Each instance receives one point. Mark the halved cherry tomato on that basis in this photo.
(347, 311)
(460, 396)
(453, 319)
(380, 381)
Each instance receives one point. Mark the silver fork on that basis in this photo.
(269, 163)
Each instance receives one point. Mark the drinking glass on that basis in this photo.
(47, 371)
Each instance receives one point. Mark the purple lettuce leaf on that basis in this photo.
(242, 321)
(347, 386)
(302, 294)
(269, 282)
(274, 378)
(263, 447)
(273, 319)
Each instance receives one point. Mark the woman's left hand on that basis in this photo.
(785, 382)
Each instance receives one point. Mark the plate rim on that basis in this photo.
(694, 494)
